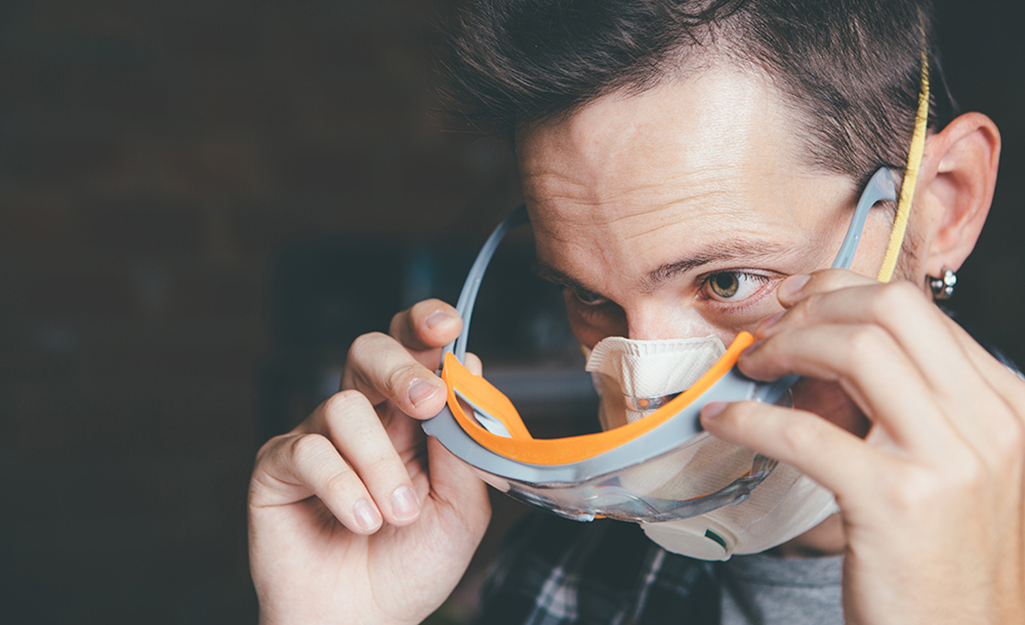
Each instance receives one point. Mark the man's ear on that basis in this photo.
(958, 175)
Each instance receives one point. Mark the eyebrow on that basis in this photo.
(747, 251)
(546, 272)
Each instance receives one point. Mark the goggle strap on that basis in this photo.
(880, 187)
(467, 297)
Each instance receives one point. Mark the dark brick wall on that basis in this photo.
(157, 159)
(153, 157)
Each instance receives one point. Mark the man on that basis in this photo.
(689, 169)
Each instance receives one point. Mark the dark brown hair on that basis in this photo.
(850, 68)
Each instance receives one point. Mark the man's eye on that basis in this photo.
(733, 286)
(587, 298)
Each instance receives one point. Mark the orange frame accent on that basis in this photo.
(524, 448)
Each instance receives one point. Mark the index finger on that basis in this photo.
(800, 287)
(380, 368)
(426, 326)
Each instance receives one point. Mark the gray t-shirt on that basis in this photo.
(765, 590)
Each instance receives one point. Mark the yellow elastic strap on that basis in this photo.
(907, 188)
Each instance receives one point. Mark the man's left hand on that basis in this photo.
(932, 499)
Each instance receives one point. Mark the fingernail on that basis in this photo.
(713, 409)
(367, 516)
(768, 323)
(404, 504)
(421, 390)
(792, 285)
(438, 318)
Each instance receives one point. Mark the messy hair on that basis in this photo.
(850, 69)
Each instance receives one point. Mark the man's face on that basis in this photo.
(675, 213)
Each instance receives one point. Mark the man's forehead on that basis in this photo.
(719, 120)
(717, 144)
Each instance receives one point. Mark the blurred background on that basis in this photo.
(202, 203)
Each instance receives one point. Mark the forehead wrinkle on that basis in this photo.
(538, 226)
(704, 185)
(586, 214)
(708, 214)
(703, 194)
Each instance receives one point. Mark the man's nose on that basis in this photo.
(678, 321)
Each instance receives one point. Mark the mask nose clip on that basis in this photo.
(646, 405)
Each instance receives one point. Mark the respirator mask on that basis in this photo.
(652, 464)
(633, 379)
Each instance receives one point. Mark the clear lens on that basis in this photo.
(688, 481)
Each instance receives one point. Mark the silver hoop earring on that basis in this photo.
(943, 288)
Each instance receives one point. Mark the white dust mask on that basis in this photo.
(633, 379)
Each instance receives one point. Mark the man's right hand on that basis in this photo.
(355, 516)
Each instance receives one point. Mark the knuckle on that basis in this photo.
(796, 437)
(905, 292)
(964, 470)
(269, 447)
(807, 309)
(770, 352)
(341, 483)
(778, 354)
(384, 463)
(365, 344)
(343, 403)
(828, 280)
(892, 300)
(921, 490)
(864, 345)
(915, 491)
(309, 446)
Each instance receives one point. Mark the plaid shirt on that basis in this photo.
(551, 571)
